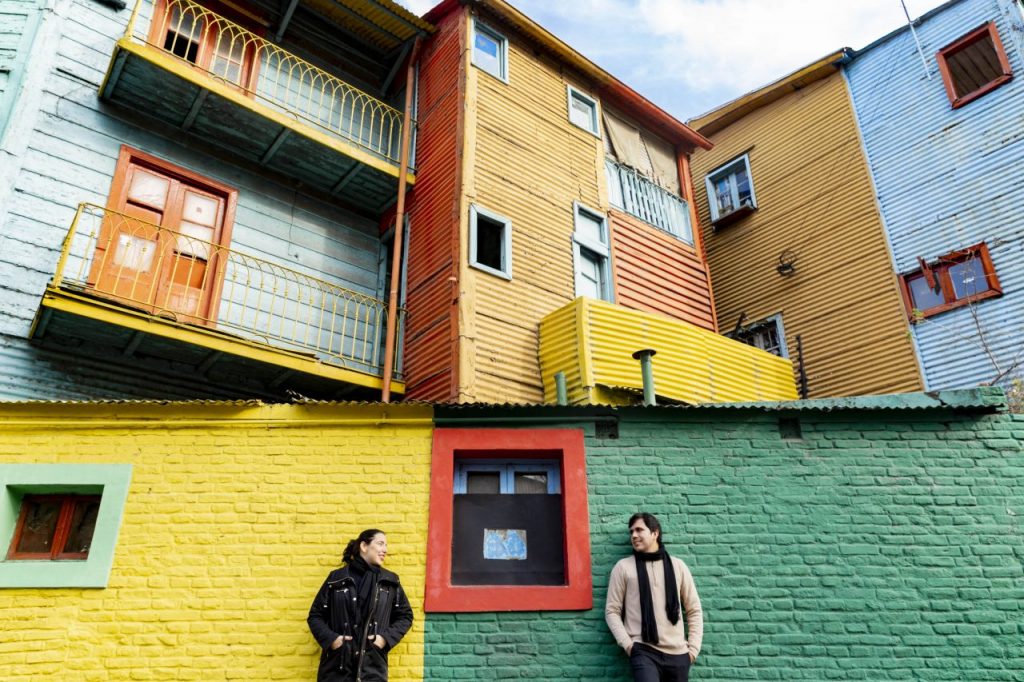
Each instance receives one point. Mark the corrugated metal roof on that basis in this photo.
(383, 23)
(986, 398)
(983, 398)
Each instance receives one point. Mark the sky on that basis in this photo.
(691, 56)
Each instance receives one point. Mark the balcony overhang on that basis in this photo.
(592, 342)
(68, 318)
(350, 154)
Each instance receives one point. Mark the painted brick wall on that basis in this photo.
(232, 521)
(879, 546)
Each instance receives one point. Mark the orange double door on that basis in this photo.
(162, 242)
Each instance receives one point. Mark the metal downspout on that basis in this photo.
(396, 256)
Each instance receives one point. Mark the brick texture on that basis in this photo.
(231, 523)
(877, 546)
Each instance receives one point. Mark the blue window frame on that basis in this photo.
(507, 477)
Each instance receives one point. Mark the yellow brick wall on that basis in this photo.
(234, 516)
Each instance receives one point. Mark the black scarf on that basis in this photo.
(366, 582)
(648, 625)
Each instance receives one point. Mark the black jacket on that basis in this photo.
(335, 612)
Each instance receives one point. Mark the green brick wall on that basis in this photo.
(880, 545)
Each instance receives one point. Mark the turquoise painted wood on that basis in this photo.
(949, 178)
(19, 22)
(68, 155)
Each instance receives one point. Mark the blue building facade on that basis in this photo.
(944, 137)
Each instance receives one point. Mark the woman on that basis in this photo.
(359, 614)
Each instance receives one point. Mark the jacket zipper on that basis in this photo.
(366, 633)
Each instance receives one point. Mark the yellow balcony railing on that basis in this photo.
(234, 56)
(592, 344)
(172, 275)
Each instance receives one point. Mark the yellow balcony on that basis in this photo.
(592, 342)
(125, 284)
(195, 71)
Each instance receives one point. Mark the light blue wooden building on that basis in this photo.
(941, 113)
(196, 203)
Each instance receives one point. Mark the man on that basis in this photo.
(643, 607)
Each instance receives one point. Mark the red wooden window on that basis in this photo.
(54, 527)
(956, 279)
(974, 65)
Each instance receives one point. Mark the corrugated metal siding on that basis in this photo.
(692, 364)
(70, 158)
(530, 164)
(657, 272)
(814, 198)
(430, 345)
(949, 178)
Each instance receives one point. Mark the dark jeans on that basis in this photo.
(651, 665)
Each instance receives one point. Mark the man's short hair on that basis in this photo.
(652, 523)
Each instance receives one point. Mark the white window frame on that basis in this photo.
(595, 112)
(507, 469)
(601, 249)
(505, 272)
(780, 330)
(480, 27)
(728, 169)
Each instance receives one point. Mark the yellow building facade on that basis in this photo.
(805, 248)
(234, 515)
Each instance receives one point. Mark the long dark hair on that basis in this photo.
(352, 548)
(651, 522)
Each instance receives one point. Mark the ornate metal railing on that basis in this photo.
(172, 275)
(638, 196)
(279, 79)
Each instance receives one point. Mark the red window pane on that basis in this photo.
(41, 516)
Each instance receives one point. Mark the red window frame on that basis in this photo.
(939, 271)
(562, 445)
(987, 30)
(61, 531)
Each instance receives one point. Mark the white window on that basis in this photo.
(490, 51)
(490, 242)
(730, 189)
(582, 110)
(592, 254)
(768, 335)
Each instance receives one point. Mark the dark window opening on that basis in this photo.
(973, 65)
(490, 243)
(54, 527)
(507, 524)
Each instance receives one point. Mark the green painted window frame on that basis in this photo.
(110, 481)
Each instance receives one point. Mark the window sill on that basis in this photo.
(732, 217)
(491, 271)
(982, 91)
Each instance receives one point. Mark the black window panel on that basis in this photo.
(478, 482)
(490, 242)
(539, 515)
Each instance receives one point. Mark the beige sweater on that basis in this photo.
(622, 610)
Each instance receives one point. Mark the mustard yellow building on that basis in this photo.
(795, 243)
(570, 193)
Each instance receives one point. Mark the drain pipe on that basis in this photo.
(396, 256)
(647, 372)
(561, 392)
